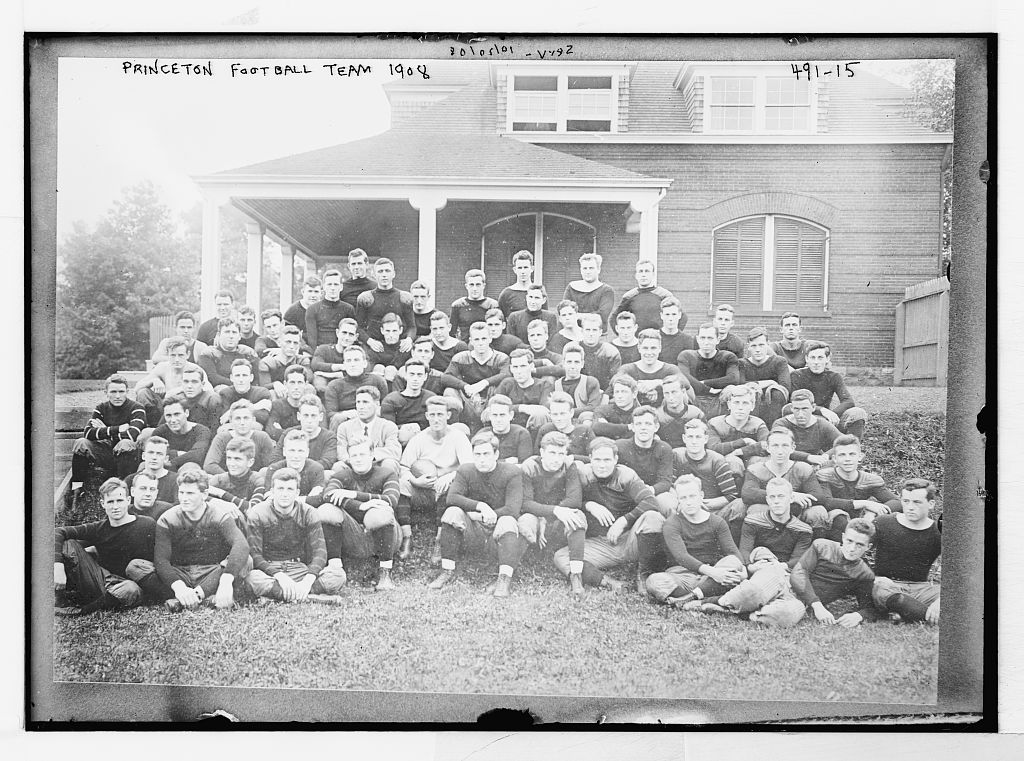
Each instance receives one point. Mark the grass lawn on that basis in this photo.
(537, 642)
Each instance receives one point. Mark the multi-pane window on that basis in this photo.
(758, 104)
(770, 263)
(561, 103)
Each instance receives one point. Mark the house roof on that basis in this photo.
(453, 154)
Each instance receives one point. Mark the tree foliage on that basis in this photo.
(110, 281)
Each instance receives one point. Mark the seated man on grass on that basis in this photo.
(407, 408)
(827, 572)
(323, 442)
(154, 464)
(647, 455)
(242, 388)
(187, 441)
(721, 495)
(703, 559)
(907, 543)
(242, 425)
(383, 434)
(200, 553)
(528, 394)
(240, 487)
(109, 438)
(771, 546)
(553, 516)
(619, 508)
(87, 582)
(429, 462)
(483, 507)
(851, 492)
(826, 385)
(358, 512)
(286, 542)
(812, 435)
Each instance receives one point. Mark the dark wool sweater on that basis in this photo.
(501, 489)
(213, 538)
(273, 538)
(788, 541)
(543, 491)
(705, 373)
(322, 320)
(116, 546)
(902, 553)
(692, 545)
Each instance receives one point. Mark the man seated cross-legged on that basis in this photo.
(358, 511)
(703, 557)
(484, 503)
(110, 436)
(88, 582)
(286, 542)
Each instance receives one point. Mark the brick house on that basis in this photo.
(745, 184)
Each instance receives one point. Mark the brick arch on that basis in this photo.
(791, 204)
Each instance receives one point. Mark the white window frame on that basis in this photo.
(768, 260)
(760, 75)
(538, 236)
(562, 97)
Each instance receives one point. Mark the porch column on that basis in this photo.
(254, 265)
(210, 268)
(428, 204)
(287, 276)
(649, 234)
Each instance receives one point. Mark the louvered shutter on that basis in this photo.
(799, 265)
(738, 261)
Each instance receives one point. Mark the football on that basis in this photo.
(422, 468)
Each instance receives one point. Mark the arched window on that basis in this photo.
(770, 263)
(556, 241)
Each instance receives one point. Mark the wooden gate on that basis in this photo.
(922, 335)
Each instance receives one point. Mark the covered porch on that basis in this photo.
(437, 206)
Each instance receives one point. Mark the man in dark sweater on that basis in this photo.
(702, 560)
(284, 412)
(647, 455)
(340, 396)
(286, 542)
(767, 372)
(808, 494)
(242, 425)
(813, 435)
(907, 543)
(407, 408)
(584, 390)
(537, 333)
(323, 442)
(851, 492)
(552, 516)
(651, 370)
(484, 503)
(600, 358)
(311, 474)
(513, 297)
(110, 436)
(724, 318)
(497, 329)
(675, 411)
(827, 384)
(625, 340)
(93, 581)
(514, 442)
(312, 290)
(242, 387)
(144, 491)
(792, 347)
(721, 496)
(578, 435)
(274, 364)
(247, 327)
(322, 318)
(739, 436)
(612, 419)
(187, 442)
(619, 507)
(358, 283)
(479, 370)
(240, 487)
(709, 370)
(771, 545)
(472, 307)
(359, 511)
(218, 359)
(200, 553)
(224, 309)
(445, 345)
(644, 301)
(519, 320)
(328, 360)
(154, 464)
(373, 305)
(387, 361)
(422, 307)
(204, 405)
(673, 340)
(528, 394)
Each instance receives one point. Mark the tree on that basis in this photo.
(932, 82)
(110, 281)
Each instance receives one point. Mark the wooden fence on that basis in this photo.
(159, 329)
(922, 335)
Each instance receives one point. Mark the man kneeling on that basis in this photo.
(286, 541)
(484, 500)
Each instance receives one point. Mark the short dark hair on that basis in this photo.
(184, 315)
(603, 442)
(756, 333)
(224, 292)
(788, 315)
(521, 352)
(312, 281)
(195, 476)
(227, 322)
(246, 447)
(862, 526)
(266, 314)
(110, 485)
(522, 255)
(845, 440)
(373, 391)
(913, 484)
(116, 378)
(284, 474)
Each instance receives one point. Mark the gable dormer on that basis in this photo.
(540, 97)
